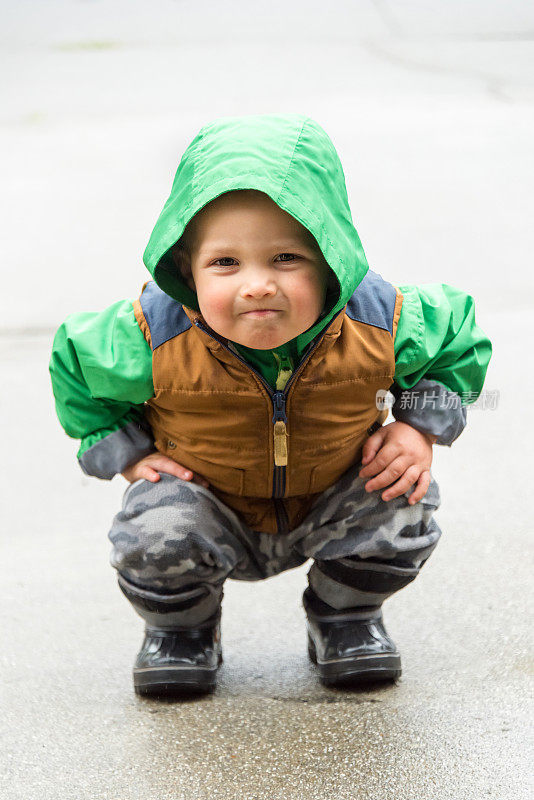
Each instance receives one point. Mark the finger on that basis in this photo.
(421, 489)
(372, 446)
(170, 467)
(384, 457)
(394, 470)
(410, 477)
(181, 472)
(148, 474)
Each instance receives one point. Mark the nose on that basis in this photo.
(258, 283)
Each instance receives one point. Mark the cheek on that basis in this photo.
(307, 294)
(214, 299)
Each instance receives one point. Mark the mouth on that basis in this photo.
(261, 312)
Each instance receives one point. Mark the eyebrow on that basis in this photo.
(282, 246)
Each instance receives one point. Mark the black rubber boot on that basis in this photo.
(349, 647)
(177, 662)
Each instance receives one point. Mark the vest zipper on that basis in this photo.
(279, 430)
(282, 520)
(279, 420)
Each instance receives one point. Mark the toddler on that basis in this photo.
(242, 398)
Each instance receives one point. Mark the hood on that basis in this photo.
(291, 159)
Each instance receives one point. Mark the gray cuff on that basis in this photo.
(116, 451)
(430, 408)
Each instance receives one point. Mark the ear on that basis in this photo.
(182, 262)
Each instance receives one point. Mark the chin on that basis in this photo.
(261, 341)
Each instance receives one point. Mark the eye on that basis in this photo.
(287, 257)
(219, 261)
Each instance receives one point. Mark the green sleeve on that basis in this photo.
(438, 339)
(101, 370)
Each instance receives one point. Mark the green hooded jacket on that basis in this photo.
(101, 365)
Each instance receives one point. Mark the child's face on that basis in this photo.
(259, 275)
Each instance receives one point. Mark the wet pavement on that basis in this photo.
(433, 118)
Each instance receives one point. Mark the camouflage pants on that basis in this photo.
(175, 543)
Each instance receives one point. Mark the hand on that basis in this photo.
(150, 467)
(398, 452)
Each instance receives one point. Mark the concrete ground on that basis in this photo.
(431, 108)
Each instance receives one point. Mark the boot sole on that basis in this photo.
(175, 680)
(357, 670)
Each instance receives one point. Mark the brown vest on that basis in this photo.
(214, 414)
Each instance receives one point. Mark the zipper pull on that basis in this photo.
(280, 431)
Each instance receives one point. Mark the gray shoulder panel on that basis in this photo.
(165, 317)
(373, 302)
